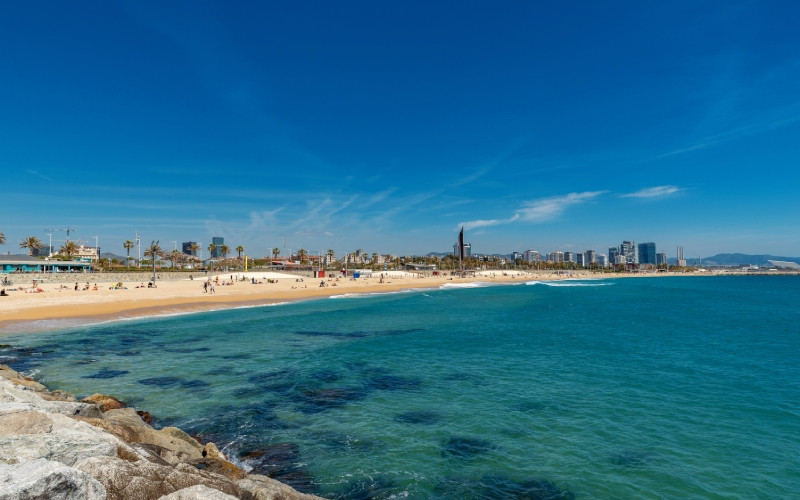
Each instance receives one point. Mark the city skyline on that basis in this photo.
(389, 127)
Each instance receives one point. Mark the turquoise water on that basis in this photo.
(627, 388)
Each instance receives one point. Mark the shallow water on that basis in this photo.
(647, 388)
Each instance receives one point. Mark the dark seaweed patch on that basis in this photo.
(186, 350)
(107, 374)
(631, 458)
(129, 353)
(280, 382)
(161, 381)
(280, 461)
(248, 392)
(498, 487)
(349, 335)
(419, 417)
(392, 383)
(319, 400)
(242, 355)
(194, 384)
(465, 447)
(379, 487)
(326, 376)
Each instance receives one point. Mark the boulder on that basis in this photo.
(180, 446)
(104, 402)
(210, 450)
(258, 487)
(47, 479)
(220, 466)
(15, 393)
(198, 492)
(7, 372)
(30, 384)
(25, 422)
(59, 395)
(32, 435)
(144, 480)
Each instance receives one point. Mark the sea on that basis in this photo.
(663, 387)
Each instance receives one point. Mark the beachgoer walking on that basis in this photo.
(212, 288)
(205, 287)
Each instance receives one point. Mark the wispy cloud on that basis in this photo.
(474, 224)
(539, 210)
(549, 208)
(652, 192)
(37, 174)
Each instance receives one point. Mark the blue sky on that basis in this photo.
(387, 126)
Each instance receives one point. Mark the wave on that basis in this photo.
(563, 283)
(474, 284)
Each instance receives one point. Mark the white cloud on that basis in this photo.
(484, 223)
(652, 192)
(538, 210)
(549, 208)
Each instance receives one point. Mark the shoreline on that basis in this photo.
(96, 301)
(184, 296)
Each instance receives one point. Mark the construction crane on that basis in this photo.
(67, 229)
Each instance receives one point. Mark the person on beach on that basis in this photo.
(3, 293)
(212, 288)
(205, 287)
(76, 287)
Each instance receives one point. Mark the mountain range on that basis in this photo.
(737, 259)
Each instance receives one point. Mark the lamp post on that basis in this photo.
(153, 251)
(139, 250)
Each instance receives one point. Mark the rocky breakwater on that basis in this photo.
(53, 446)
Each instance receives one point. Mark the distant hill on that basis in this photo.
(109, 255)
(739, 259)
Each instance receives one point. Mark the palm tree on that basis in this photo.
(239, 250)
(68, 249)
(275, 252)
(32, 243)
(175, 256)
(153, 251)
(2, 239)
(302, 255)
(330, 254)
(374, 259)
(128, 245)
(194, 247)
(211, 248)
(224, 250)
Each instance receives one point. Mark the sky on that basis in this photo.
(388, 126)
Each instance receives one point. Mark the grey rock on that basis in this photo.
(14, 393)
(47, 480)
(181, 447)
(258, 487)
(145, 480)
(198, 492)
(61, 439)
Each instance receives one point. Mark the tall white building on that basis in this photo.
(531, 256)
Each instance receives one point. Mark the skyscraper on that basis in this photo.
(613, 255)
(186, 247)
(647, 253)
(218, 241)
(628, 249)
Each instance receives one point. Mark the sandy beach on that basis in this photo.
(26, 304)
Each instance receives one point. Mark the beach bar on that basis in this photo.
(27, 264)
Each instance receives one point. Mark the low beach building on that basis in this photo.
(28, 264)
